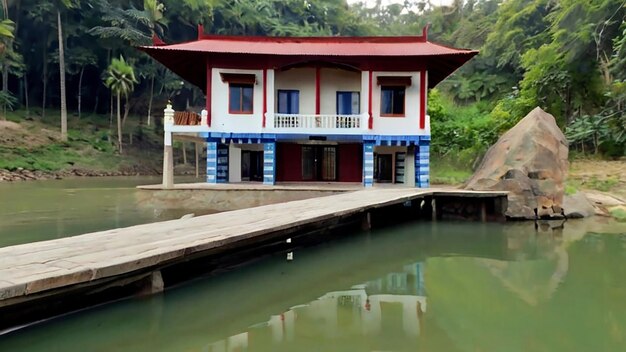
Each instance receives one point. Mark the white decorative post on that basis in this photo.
(168, 115)
(204, 115)
(168, 153)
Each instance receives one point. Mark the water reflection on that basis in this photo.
(393, 303)
(422, 287)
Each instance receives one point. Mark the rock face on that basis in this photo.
(577, 206)
(529, 161)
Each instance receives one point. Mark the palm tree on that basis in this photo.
(120, 79)
(136, 27)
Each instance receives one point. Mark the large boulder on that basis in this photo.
(529, 161)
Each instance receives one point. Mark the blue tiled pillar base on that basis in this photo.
(368, 164)
(211, 162)
(222, 163)
(269, 163)
(422, 163)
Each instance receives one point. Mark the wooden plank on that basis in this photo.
(37, 267)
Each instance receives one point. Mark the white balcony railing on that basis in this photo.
(307, 122)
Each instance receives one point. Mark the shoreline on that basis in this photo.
(21, 175)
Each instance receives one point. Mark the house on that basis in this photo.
(306, 109)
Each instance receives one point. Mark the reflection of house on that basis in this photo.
(354, 312)
(349, 109)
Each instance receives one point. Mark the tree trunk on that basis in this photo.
(119, 123)
(5, 66)
(62, 80)
(45, 82)
(26, 94)
(80, 86)
(150, 101)
(184, 153)
(126, 111)
(197, 163)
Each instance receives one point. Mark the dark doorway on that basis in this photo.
(319, 163)
(383, 168)
(251, 165)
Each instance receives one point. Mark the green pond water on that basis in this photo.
(44, 210)
(413, 287)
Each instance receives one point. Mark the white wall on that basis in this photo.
(234, 163)
(332, 81)
(407, 125)
(221, 120)
(302, 79)
(234, 159)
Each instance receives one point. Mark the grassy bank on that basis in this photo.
(31, 142)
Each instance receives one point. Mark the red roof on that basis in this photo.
(403, 53)
(317, 46)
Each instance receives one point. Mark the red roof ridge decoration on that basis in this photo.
(156, 41)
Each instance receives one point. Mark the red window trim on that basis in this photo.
(404, 101)
(241, 112)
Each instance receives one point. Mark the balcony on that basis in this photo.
(317, 124)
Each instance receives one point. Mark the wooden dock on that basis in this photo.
(37, 271)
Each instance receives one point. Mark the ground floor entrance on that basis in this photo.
(252, 165)
(269, 161)
(319, 163)
(313, 162)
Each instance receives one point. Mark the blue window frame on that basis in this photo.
(288, 101)
(348, 103)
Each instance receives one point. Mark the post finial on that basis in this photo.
(168, 114)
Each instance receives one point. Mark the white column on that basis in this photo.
(365, 96)
(271, 102)
(168, 153)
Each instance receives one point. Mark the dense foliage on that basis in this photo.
(567, 56)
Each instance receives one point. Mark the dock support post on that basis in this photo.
(483, 210)
(152, 284)
(368, 164)
(269, 163)
(211, 162)
(422, 162)
(366, 222)
(168, 153)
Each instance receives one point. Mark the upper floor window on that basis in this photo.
(348, 103)
(288, 101)
(392, 101)
(240, 98)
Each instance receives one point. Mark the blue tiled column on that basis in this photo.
(211, 162)
(368, 164)
(269, 163)
(222, 163)
(422, 163)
